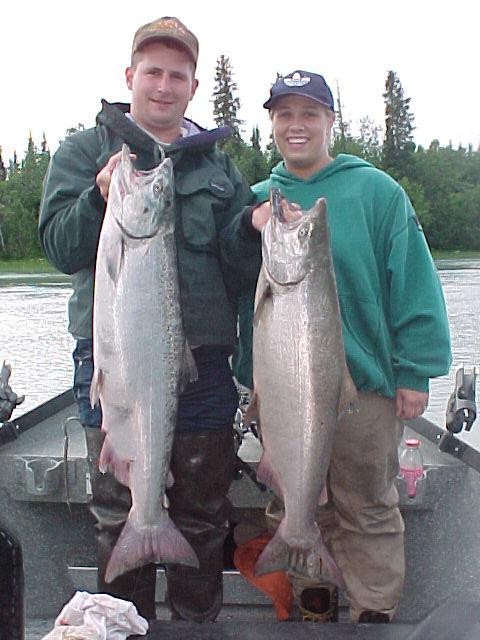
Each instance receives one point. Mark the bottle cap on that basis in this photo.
(412, 442)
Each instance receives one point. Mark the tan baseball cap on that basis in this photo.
(167, 28)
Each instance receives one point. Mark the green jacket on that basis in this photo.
(210, 194)
(395, 325)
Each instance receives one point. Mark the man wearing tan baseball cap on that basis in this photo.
(213, 257)
(166, 28)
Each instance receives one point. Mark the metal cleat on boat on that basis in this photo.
(8, 401)
(461, 410)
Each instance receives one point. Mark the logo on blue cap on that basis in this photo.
(303, 83)
(296, 80)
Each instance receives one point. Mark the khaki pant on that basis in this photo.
(361, 524)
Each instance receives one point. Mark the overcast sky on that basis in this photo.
(60, 58)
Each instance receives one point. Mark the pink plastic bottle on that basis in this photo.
(411, 465)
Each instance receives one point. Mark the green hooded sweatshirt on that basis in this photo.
(395, 325)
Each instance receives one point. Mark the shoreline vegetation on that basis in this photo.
(41, 265)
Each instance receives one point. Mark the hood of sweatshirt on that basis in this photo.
(302, 190)
(342, 162)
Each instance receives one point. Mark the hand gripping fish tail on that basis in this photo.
(142, 359)
(302, 383)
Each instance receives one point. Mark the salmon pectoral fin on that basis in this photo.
(138, 546)
(96, 387)
(323, 499)
(267, 475)
(115, 255)
(348, 402)
(109, 461)
(262, 295)
(251, 412)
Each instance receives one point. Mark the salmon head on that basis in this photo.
(142, 200)
(290, 250)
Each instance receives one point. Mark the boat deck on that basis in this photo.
(453, 619)
(442, 541)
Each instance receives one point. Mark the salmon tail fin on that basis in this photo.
(316, 562)
(321, 566)
(273, 558)
(95, 387)
(138, 546)
(348, 402)
(189, 371)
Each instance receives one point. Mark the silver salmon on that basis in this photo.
(141, 358)
(301, 383)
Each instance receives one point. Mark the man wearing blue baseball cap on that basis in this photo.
(395, 333)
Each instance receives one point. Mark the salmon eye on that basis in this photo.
(305, 231)
(157, 190)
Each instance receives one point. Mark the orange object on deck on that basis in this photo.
(275, 585)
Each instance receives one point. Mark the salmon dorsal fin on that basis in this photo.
(348, 402)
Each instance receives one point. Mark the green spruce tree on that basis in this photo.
(13, 165)
(255, 139)
(398, 145)
(226, 104)
(341, 131)
(44, 150)
(3, 171)
(272, 153)
(20, 197)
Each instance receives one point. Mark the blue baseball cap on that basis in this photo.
(301, 83)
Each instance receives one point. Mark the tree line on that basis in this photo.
(443, 182)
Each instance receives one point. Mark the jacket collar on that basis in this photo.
(112, 116)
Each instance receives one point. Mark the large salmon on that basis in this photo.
(141, 358)
(301, 383)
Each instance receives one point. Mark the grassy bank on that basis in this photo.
(41, 265)
(27, 265)
(455, 255)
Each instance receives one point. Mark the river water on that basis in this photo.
(35, 341)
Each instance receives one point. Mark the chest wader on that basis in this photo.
(110, 505)
(202, 466)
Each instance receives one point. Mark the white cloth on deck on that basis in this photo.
(97, 616)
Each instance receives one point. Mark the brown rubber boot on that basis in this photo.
(109, 506)
(373, 617)
(202, 466)
(319, 604)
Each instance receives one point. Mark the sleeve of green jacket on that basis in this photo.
(72, 207)
(240, 243)
(418, 317)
